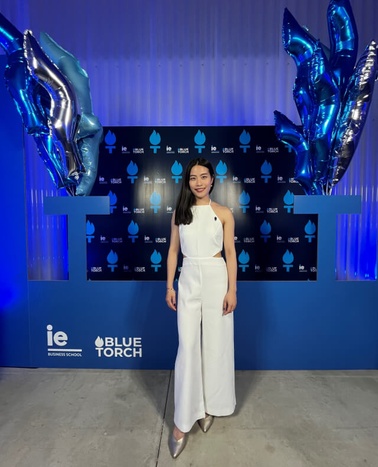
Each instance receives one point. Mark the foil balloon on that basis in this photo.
(89, 130)
(326, 103)
(52, 95)
(63, 117)
(353, 113)
(300, 46)
(332, 96)
(21, 86)
(343, 40)
(291, 134)
(27, 94)
(297, 42)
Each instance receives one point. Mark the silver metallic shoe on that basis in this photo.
(176, 446)
(205, 423)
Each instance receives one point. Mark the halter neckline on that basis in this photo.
(203, 204)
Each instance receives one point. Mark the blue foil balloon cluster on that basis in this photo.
(52, 94)
(332, 93)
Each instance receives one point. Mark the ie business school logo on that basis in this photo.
(57, 344)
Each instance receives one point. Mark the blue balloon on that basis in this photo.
(51, 93)
(63, 117)
(297, 42)
(353, 114)
(332, 96)
(343, 37)
(291, 134)
(21, 86)
(89, 131)
(326, 101)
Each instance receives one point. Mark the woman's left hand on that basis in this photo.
(229, 302)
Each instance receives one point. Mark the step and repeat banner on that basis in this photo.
(141, 170)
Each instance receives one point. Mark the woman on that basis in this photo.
(204, 368)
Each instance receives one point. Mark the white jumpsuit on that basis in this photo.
(204, 368)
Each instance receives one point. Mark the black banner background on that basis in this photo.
(140, 169)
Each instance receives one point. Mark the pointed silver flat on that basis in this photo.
(205, 423)
(176, 446)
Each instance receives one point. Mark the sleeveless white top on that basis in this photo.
(203, 238)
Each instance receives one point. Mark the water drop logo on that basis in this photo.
(155, 200)
(288, 200)
(155, 141)
(156, 260)
(99, 343)
(265, 230)
(132, 170)
(266, 170)
(133, 229)
(176, 171)
(310, 229)
(221, 170)
(199, 140)
(112, 259)
(113, 201)
(244, 200)
(110, 140)
(243, 260)
(90, 229)
(245, 139)
(288, 259)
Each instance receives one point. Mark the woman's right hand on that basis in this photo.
(170, 298)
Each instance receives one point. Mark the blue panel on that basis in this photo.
(14, 322)
(324, 324)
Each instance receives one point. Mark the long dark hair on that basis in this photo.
(186, 199)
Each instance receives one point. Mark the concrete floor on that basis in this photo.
(122, 418)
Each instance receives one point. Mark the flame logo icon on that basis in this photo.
(155, 198)
(288, 200)
(112, 257)
(155, 138)
(99, 342)
(110, 138)
(156, 260)
(310, 228)
(221, 168)
(113, 201)
(266, 168)
(176, 168)
(200, 138)
(244, 198)
(133, 228)
(244, 138)
(113, 198)
(289, 197)
(90, 228)
(132, 168)
(112, 260)
(243, 257)
(243, 260)
(265, 228)
(288, 257)
(156, 257)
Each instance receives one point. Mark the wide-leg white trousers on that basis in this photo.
(204, 368)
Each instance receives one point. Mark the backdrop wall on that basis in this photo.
(198, 63)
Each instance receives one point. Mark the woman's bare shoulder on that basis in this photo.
(223, 211)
